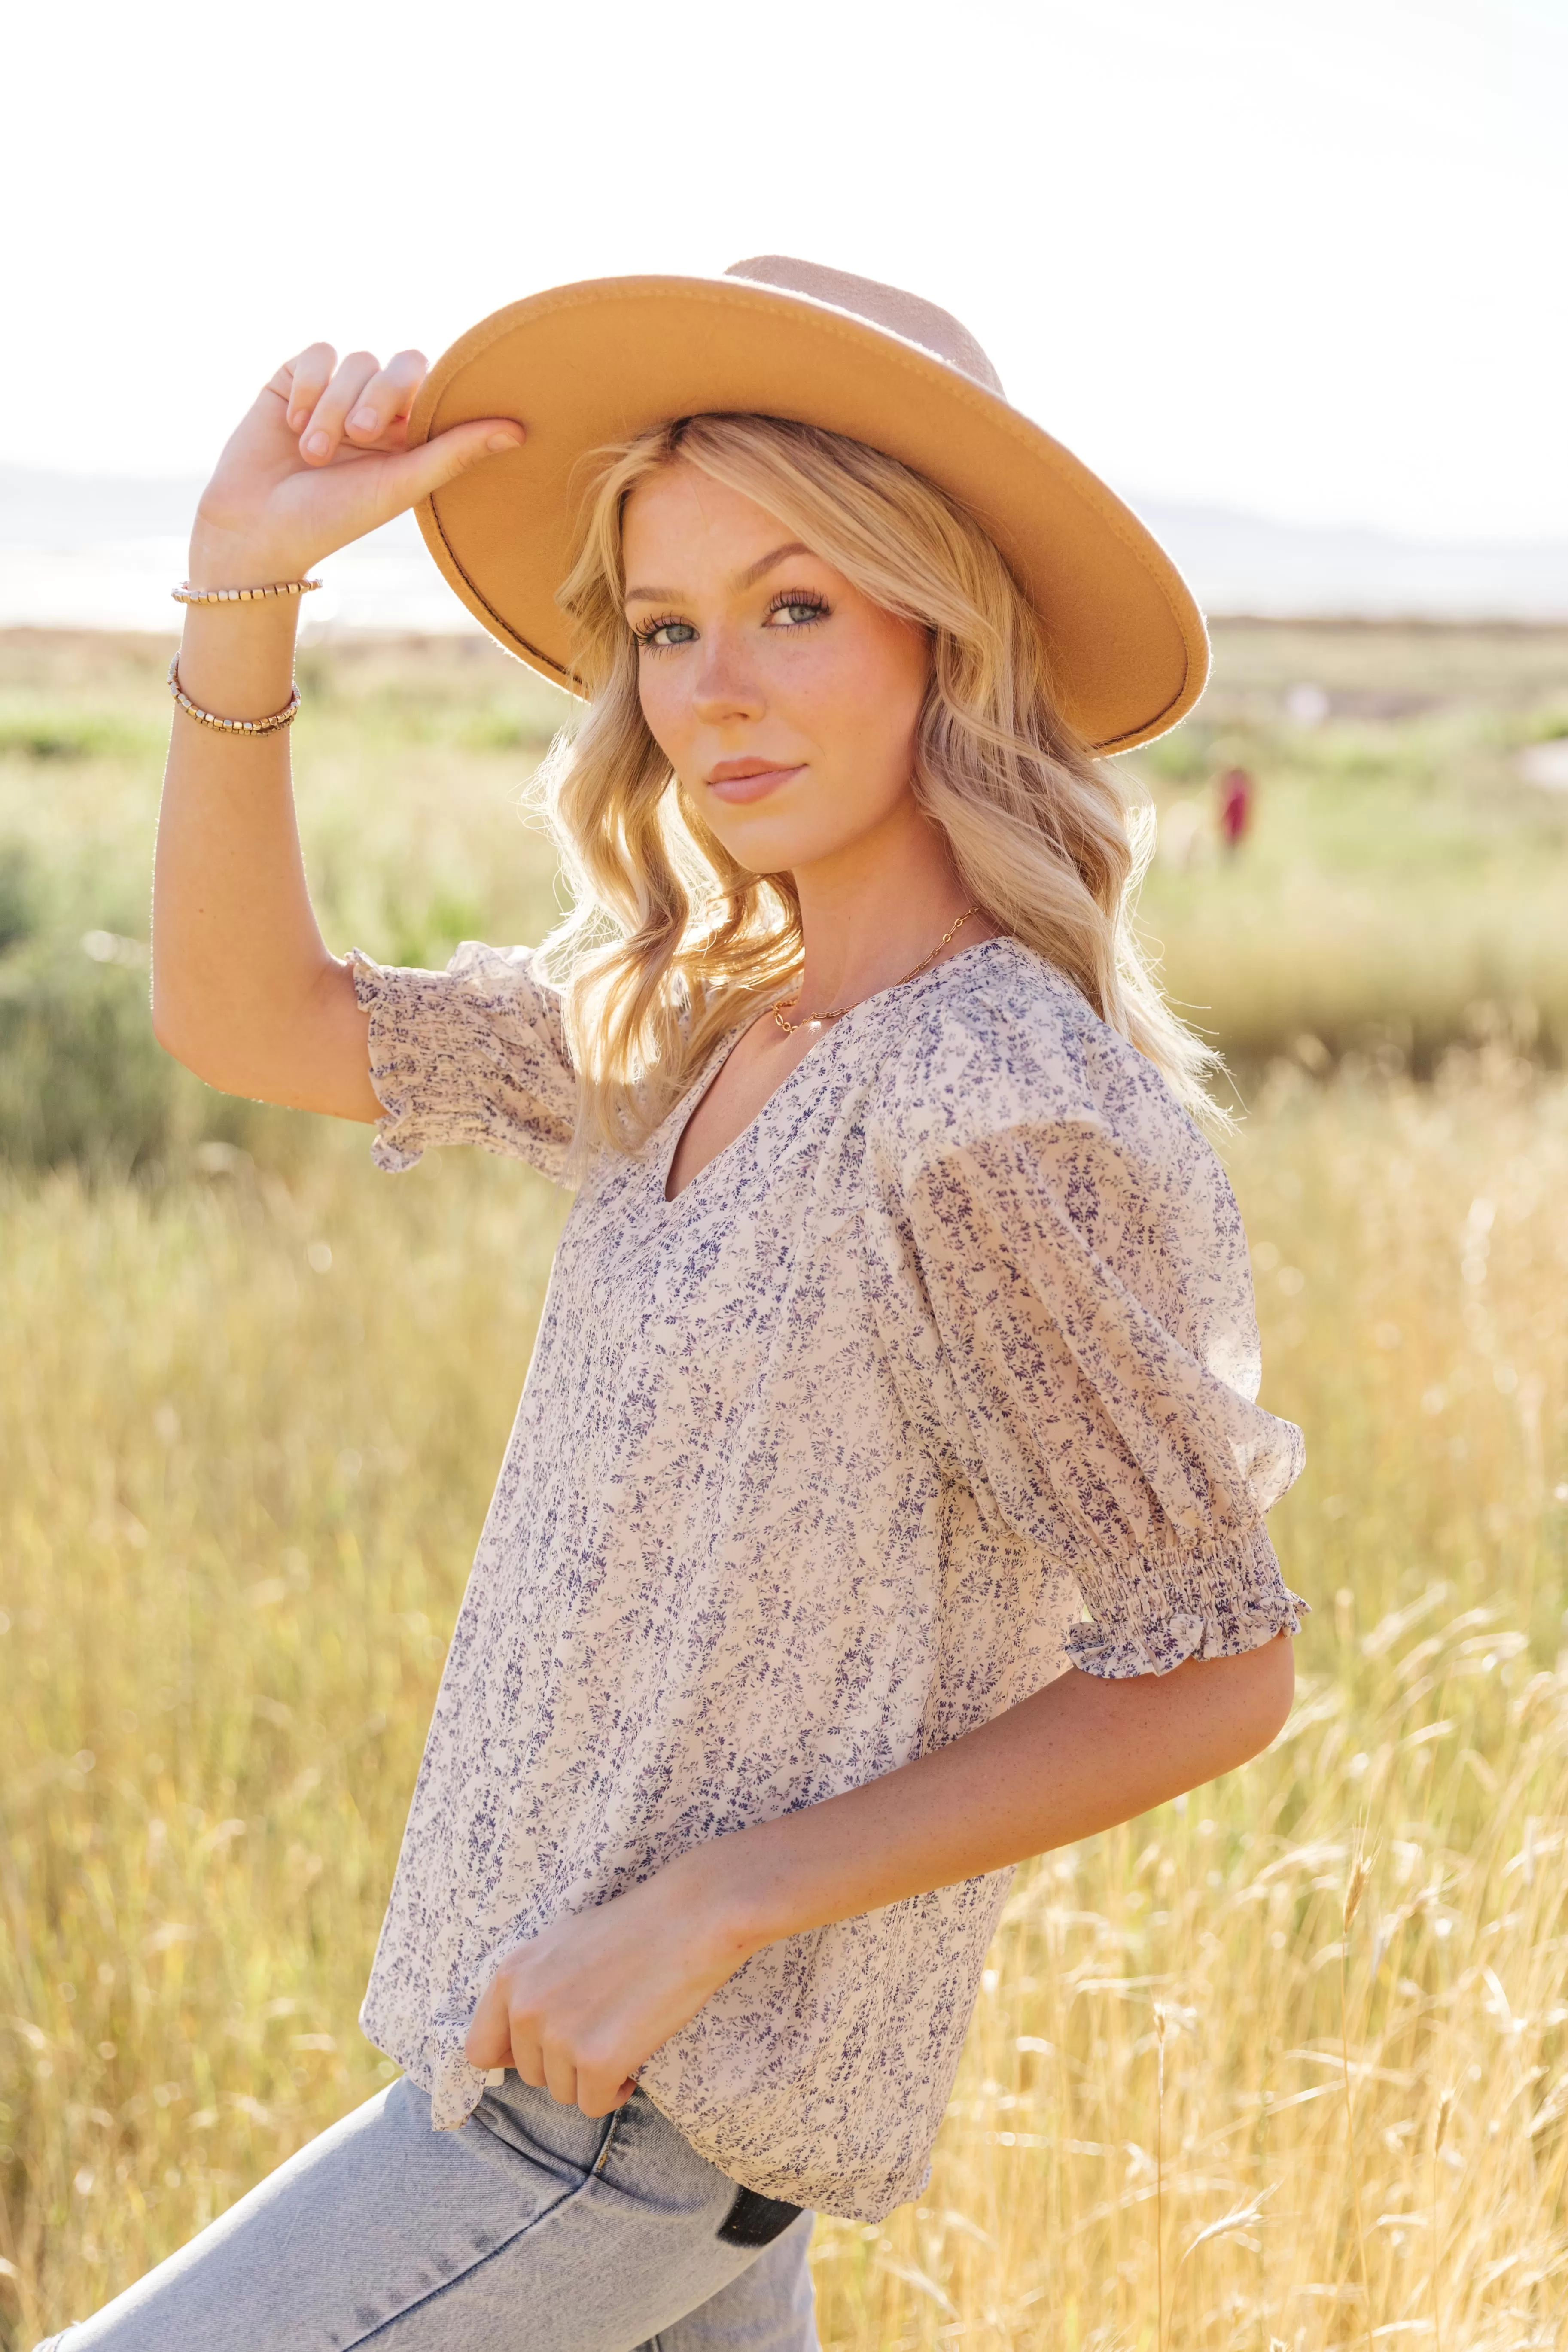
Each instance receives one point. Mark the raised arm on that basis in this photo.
(244, 989)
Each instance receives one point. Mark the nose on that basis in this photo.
(726, 686)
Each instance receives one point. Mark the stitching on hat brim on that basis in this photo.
(503, 628)
(1068, 472)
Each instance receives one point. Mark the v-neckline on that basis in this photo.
(696, 1095)
(683, 1112)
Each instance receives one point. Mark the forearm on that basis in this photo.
(242, 981)
(1076, 1757)
(243, 987)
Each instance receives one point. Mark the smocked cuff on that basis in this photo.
(1152, 1613)
(474, 1055)
(394, 1147)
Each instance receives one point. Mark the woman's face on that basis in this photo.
(783, 699)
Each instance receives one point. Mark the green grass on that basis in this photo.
(409, 788)
(1400, 900)
(1401, 895)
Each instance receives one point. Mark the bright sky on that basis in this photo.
(1298, 256)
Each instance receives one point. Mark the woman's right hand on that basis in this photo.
(320, 459)
(244, 989)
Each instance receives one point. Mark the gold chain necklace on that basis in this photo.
(813, 1020)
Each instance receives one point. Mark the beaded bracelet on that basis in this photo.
(284, 718)
(189, 595)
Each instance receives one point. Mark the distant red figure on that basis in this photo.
(1237, 789)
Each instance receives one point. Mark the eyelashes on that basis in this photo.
(800, 600)
(805, 605)
(649, 637)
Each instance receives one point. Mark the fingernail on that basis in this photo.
(297, 419)
(499, 441)
(363, 420)
(317, 444)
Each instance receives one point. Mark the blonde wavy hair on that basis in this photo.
(670, 944)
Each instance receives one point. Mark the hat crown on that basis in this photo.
(909, 316)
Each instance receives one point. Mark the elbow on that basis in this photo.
(1267, 1679)
(172, 1033)
(166, 1028)
(184, 1041)
(1226, 1711)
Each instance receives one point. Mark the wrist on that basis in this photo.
(226, 559)
(238, 659)
(731, 1891)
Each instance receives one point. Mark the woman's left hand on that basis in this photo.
(580, 2008)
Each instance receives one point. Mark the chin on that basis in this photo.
(777, 846)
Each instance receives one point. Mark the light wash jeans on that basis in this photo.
(531, 2230)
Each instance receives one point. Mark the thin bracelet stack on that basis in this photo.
(186, 594)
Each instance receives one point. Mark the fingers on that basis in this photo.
(323, 428)
(386, 399)
(560, 2076)
(598, 2094)
(578, 2067)
(489, 2040)
(580, 2074)
(503, 2032)
(415, 473)
(524, 2053)
(303, 379)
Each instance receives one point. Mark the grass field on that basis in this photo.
(1401, 899)
(253, 1397)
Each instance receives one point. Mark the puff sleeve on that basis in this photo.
(475, 1053)
(1086, 1274)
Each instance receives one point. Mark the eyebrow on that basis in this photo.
(747, 579)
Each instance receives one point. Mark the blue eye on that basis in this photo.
(662, 637)
(798, 610)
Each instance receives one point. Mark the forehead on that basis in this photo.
(683, 512)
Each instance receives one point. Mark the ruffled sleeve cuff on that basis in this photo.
(375, 990)
(474, 1055)
(1152, 1612)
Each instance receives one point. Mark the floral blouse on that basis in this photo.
(940, 1379)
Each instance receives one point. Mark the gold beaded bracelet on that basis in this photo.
(284, 718)
(189, 595)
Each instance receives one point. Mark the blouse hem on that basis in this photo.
(455, 2089)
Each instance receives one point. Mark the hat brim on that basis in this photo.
(592, 363)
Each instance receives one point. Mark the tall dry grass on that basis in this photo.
(250, 1409)
(248, 1429)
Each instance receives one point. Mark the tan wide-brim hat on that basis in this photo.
(586, 365)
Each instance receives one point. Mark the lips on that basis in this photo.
(736, 780)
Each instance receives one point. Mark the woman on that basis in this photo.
(885, 1502)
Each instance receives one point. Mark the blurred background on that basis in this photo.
(1284, 2063)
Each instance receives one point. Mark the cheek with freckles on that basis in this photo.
(668, 712)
